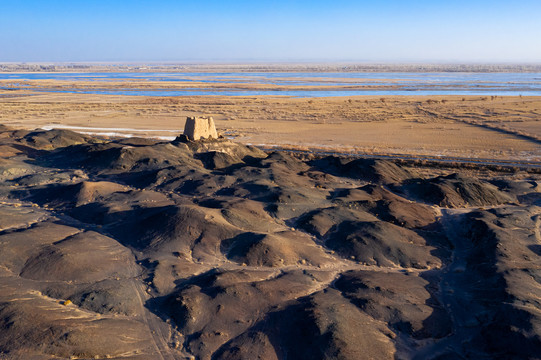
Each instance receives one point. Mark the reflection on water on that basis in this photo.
(406, 83)
(299, 93)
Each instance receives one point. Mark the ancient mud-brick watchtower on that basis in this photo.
(198, 128)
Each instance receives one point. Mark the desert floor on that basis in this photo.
(484, 127)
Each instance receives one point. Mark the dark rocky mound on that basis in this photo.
(456, 191)
(285, 162)
(218, 160)
(285, 248)
(218, 306)
(49, 177)
(517, 188)
(114, 207)
(105, 297)
(400, 300)
(84, 257)
(381, 243)
(210, 249)
(53, 139)
(187, 180)
(280, 201)
(527, 191)
(371, 170)
(387, 206)
(150, 157)
(186, 229)
(113, 157)
(324, 325)
(62, 195)
(498, 282)
(246, 214)
(319, 222)
(330, 164)
(39, 328)
(19, 246)
(12, 168)
(137, 141)
(236, 150)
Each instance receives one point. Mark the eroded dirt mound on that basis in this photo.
(324, 325)
(53, 139)
(456, 191)
(185, 228)
(111, 296)
(381, 243)
(387, 206)
(279, 249)
(499, 278)
(321, 222)
(85, 257)
(146, 249)
(218, 160)
(371, 170)
(219, 306)
(402, 300)
(231, 148)
(41, 328)
(71, 195)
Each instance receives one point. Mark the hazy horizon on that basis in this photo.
(300, 62)
(391, 32)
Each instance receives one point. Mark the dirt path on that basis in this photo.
(482, 122)
(537, 228)
(156, 327)
(450, 292)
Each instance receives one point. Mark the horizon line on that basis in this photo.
(274, 62)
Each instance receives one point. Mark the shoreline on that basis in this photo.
(285, 66)
(313, 84)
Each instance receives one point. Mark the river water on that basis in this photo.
(385, 83)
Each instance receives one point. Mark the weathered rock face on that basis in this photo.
(198, 128)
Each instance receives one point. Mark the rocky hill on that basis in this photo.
(139, 249)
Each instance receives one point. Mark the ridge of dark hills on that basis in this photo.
(143, 249)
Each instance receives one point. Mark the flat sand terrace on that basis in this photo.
(485, 127)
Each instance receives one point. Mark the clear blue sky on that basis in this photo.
(296, 30)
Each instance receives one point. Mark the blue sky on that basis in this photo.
(228, 31)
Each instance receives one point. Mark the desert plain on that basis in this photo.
(120, 238)
(482, 127)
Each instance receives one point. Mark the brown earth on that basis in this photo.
(141, 249)
(503, 128)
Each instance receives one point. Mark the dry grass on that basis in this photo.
(473, 126)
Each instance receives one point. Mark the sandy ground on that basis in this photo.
(453, 126)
